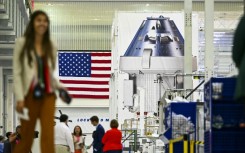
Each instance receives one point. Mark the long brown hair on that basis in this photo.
(29, 35)
(81, 132)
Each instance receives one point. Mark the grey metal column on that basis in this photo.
(9, 104)
(209, 47)
(5, 82)
(160, 105)
(135, 140)
(1, 100)
(188, 84)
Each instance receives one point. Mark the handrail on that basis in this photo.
(186, 144)
(183, 138)
(134, 133)
(128, 137)
(194, 89)
(177, 139)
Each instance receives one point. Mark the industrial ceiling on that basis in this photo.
(132, 0)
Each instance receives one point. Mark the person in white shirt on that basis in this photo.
(63, 137)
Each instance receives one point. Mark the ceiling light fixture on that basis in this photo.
(147, 5)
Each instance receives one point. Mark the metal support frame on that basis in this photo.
(4, 113)
(10, 107)
(5, 79)
(135, 141)
(160, 106)
(128, 136)
(1, 100)
(133, 133)
(199, 127)
(161, 116)
(188, 84)
(209, 47)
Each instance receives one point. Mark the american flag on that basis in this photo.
(85, 74)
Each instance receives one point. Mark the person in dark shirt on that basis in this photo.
(112, 139)
(97, 135)
(7, 143)
(1, 143)
(2, 138)
(1, 147)
(12, 141)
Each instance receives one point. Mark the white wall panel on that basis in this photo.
(84, 103)
(128, 92)
(81, 116)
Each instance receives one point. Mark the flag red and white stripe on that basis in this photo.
(97, 85)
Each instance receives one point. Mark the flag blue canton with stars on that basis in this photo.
(75, 64)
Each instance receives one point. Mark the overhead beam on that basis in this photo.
(133, 1)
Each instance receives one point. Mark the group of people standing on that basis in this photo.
(67, 142)
(109, 142)
(13, 140)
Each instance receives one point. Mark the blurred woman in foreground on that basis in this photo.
(34, 62)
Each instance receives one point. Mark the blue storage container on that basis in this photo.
(222, 117)
(188, 110)
(207, 140)
(231, 113)
(226, 92)
(228, 141)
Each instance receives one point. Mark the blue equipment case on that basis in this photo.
(227, 137)
(185, 109)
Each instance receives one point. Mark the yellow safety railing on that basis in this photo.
(188, 146)
(183, 138)
(192, 146)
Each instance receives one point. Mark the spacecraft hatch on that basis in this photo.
(157, 46)
(161, 35)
